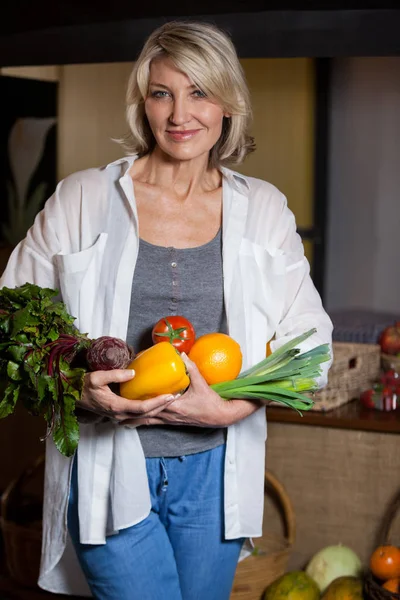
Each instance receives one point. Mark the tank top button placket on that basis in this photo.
(175, 282)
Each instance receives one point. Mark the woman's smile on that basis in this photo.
(182, 135)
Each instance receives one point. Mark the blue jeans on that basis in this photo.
(178, 552)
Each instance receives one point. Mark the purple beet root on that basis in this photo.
(106, 353)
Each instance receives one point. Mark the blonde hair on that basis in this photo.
(208, 57)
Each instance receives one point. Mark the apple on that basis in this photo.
(389, 339)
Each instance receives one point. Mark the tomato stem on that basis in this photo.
(173, 334)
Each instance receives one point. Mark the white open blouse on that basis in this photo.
(85, 243)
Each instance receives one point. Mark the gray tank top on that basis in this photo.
(187, 282)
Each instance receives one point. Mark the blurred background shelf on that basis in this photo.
(350, 416)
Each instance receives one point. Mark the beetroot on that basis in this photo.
(43, 360)
(106, 353)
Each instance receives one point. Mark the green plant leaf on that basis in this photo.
(66, 430)
(10, 397)
(13, 371)
(38, 341)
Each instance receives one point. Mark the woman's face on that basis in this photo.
(185, 123)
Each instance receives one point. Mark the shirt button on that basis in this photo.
(173, 264)
(174, 283)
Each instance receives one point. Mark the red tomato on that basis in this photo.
(175, 329)
(367, 398)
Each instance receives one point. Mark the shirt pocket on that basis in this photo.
(80, 278)
(275, 260)
(258, 291)
(265, 271)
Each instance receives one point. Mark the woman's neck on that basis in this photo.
(184, 178)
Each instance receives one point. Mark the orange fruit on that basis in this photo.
(392, 585)
(346, 587)
(385, 562)
(217, 356)
(296, 585)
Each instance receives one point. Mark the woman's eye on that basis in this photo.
(199, 94)
(159, 94)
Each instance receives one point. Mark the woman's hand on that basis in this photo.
(199, 406)
(98, 398)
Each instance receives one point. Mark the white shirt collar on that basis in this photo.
(238, 181)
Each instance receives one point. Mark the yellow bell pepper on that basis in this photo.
(158, 370)
(268, 347)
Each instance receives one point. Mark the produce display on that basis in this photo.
(392, 585)
(295, 585)
(389, 340)
(336, 573)
(344, 588)
(385, 566)
(333, 562)
(44, 358)
(333, 573)
(384, 394)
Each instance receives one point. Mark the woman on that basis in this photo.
(163, 492)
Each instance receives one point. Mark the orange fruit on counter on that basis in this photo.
(385, 562)
(392, 585)
(217, 356)
(346, 587)
(294, 585)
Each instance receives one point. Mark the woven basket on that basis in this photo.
(355, 367)
(22, 541)
(255, 573)
(389, 533)
(390, 362)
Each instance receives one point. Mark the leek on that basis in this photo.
(285, 377)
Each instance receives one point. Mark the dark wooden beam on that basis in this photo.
(277, 33)
(323, 72)
(24, 15)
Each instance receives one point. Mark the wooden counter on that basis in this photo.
(349, 416)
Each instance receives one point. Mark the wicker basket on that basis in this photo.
(255, 573)
(22, 541)
(388, 534)
(390, 362)
(355, 367)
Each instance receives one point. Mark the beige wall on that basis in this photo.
(282, 93)
(91, 113)
(50, 73)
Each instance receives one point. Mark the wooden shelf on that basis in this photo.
(349, 416)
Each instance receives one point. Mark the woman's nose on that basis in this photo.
(180, 112)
